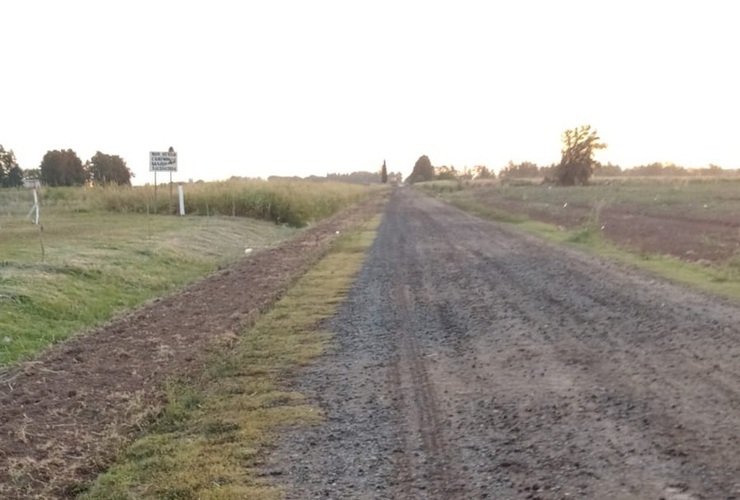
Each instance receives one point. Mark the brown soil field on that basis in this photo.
(64, 415)
(680, 233)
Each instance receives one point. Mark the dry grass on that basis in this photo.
(292, 202)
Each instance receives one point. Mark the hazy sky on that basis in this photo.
(260, 88)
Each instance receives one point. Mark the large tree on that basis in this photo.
(384, 173)
(576, 164)
(62, 168)
(108, 169)
(11, 174)
(423, 171)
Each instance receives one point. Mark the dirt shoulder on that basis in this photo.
(473, 361)
(64, 415)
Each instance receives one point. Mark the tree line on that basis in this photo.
(11, 174)
(64, 168)
(577, 165)
(529, 170)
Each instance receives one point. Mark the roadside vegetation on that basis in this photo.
(210, 441)
(100, 251)
(295, 203)
(291, 202)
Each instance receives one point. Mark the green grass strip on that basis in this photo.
(211, 440)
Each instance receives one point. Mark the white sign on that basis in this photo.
(162, 161)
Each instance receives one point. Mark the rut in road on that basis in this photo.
(476, 362)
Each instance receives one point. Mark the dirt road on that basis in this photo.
(474, 362)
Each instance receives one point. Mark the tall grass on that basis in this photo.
(295, 203)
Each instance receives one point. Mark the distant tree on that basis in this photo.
(658, 169)
(108, 169)
(11, 174)
(445, 173)
(423, 171)
(384, 174)
(576, 164)
(482, 172)
(548, 172)
(14, 177)
(525, 169)
(711, 170)
(395, 177)
(608, 170)
(360, 177)
(32, 173)
(62, 168)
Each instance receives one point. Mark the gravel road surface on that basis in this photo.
(474, 362)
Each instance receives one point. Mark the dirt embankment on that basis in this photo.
(475, 362)
(64, 415)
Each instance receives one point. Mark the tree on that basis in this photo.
(62, 168)
(482, 172)
(576, 164)
(11, 174)
(608, 170)
(423, 171)
(445, 173)
(384, 174)
(108, 169)
(520, 170)
(32, 173)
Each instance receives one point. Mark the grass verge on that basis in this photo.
(722, 279)
(97, 264)
(211, 439)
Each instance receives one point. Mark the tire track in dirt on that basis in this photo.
(477, 362)
(429, 467)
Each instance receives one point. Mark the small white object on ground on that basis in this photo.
(247, 250)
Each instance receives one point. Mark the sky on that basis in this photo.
(294, 87)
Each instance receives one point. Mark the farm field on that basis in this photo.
(690, 219)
